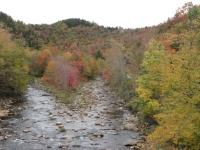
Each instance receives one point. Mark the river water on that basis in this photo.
(39, 122)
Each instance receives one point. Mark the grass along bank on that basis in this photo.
(60, 94)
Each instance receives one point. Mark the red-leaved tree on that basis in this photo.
(66, 74)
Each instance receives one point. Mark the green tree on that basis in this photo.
(13, 66)
(149, 88)
(99, 55)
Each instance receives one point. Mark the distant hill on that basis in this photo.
(80, 35)
(74, 22)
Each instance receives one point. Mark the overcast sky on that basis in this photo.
(124, 13)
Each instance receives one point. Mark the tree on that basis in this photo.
(90, 69)
(178, 118)
(99, 55)
(66, 74)
(13, 66)
(116, 70)
(178, 115)
(149, 88)
(169, 90)
(61, 73)
(116, 63)
(50, 73)
(39, 62)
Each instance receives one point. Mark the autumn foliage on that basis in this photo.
(60, 73)
(155, 68)
(169, 86)
(13, 66)
(67, 70)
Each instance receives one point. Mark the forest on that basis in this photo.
(156, 70)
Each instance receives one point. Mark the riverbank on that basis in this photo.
(6, 104)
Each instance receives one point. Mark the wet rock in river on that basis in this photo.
(69, 139)
(134, 137)
(89, 115)
(4, 113)
(49, 146)
(135, 147)
(2, 131)
(68, 121)
(139, 144)
(63, 146)
(131, 143)
(24, 119)
(60, 126)
(37, 137)
(25, 107)
(70, 114)
(51, 118)
(115, 133)
(129, 126)
(102, 124)
(58, 123)
(60, 112)
(106, 108)
(136, 129)
(98, 123)
(1, 138)
(76, 145)
(97, 116)
(26, 131)
(94, 144)
(97, 134)
(75, 130)
(8, 135)
(45, 94)
(63, 137)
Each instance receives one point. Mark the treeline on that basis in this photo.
(69, 34)
(87, 39)
(64, 70)
(169, 84)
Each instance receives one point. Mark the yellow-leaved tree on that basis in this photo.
(169, 89)
(179, 116)
(149, 83)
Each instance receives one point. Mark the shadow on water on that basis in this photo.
(114, 114)
(14, 112)
(19, 100)
(117, 113)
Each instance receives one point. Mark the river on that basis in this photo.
(40, 122)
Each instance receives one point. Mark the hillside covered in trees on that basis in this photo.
(154, 69)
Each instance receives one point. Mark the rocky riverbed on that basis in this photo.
(96, 119)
